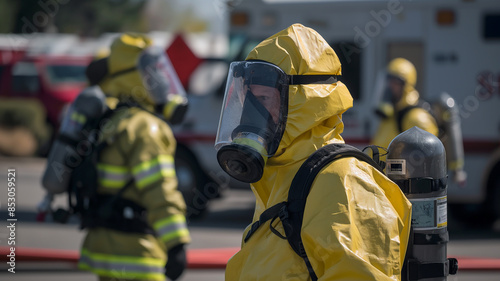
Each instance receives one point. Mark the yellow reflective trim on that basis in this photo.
(156, 176)
(121, 274)
(112, 168)
(168, 110)
(172, 227)
(177, 218)
(123, 259)
(154, 170)
(112, 176)
(144, 166)
(176, 234)
(455, 165)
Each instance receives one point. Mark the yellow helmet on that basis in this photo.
(124, 79)
(404, 70)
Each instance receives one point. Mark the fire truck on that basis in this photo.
(454, 45)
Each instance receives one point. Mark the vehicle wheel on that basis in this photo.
(493, 202)
(485, 214)
(46, 144)
(194, 185)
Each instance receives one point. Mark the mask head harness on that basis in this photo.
(158, 77)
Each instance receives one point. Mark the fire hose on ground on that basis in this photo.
(212, 258)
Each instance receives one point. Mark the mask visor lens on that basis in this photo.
(254, 102)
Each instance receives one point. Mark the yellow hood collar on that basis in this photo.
(410, 97)
(314, 111)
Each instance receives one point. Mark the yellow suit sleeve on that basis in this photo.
(152, 164)
(421, 118)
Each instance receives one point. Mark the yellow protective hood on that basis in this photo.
(314, 110)
(410, 97)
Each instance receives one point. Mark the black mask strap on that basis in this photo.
(256, 119)
(121, 72)
(312, 79)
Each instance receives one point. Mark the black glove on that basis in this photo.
(176, 263)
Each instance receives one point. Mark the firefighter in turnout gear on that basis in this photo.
(137, 228)
(416, 162)
(399, 111)
(282, 104)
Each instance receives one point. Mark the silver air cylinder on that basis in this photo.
(447, 113)
(416, 162)
(69, 147)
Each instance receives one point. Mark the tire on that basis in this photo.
(493, 201)
(194, 185)
(469, 214)
(486, 214)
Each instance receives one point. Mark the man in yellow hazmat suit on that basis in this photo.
(139, 152)
(402, 113)
(281, 106)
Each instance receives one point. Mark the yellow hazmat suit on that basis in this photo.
(23, 127)
(141, 147)
(388, 128)
(356, 222)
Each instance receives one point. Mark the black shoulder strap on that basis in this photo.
(400, 115)
(301, 185)
(424, 104)
(85, 175)
(291, 213)
(306, 174)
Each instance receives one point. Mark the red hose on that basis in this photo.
(203, 258)
(197, 258)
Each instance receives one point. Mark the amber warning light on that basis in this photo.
(239, 19)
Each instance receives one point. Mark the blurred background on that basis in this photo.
(45, 46)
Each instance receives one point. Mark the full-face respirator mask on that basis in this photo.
(254, 115)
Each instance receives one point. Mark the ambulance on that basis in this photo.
(454, 44)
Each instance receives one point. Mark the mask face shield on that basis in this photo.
(388, 91)
(253, 117)
(161, 81)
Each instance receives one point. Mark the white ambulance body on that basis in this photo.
(454, 44)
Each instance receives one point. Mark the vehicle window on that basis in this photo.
(350, 57)
(25, 78)
(348, 52)
(490, 26)
(66, 74)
